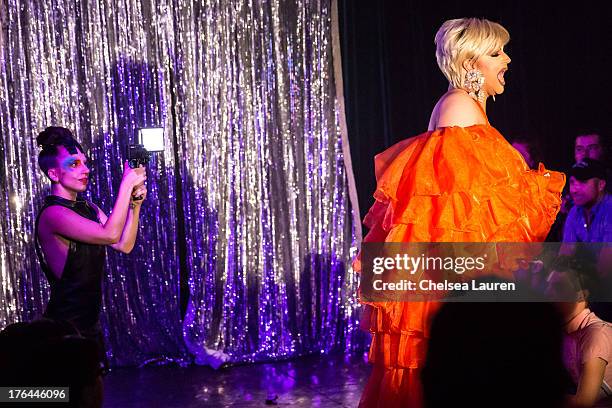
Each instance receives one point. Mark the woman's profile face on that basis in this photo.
(71, 171)
(493, 66)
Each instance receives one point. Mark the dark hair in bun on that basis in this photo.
(49, 139)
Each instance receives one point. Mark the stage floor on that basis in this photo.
(315, 381)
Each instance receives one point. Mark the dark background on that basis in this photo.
(559, 83)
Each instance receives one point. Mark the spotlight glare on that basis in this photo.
(152, 139)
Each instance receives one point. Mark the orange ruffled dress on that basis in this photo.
(449, 185)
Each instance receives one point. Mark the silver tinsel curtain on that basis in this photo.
(248, 218)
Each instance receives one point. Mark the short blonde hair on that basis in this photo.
(466, 39)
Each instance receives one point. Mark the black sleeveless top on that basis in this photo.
(77, 295)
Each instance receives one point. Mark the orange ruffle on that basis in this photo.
(462, 185)
(450, 185)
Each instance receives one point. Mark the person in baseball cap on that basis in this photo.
(587, 169)
(590, 220)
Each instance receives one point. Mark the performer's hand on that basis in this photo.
(133, 177)
(139, 193)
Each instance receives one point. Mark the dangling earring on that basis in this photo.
(474, 80)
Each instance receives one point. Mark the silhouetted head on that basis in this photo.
(495, 354)
(48, 353)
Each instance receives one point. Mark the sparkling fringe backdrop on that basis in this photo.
(248, 205)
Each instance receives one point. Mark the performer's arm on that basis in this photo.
(130, 229)
(65, 222)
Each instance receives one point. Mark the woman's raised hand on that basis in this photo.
(133, 177)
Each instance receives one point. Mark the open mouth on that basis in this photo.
(84, 180)
(500, 76)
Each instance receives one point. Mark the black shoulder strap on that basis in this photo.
(94, 211)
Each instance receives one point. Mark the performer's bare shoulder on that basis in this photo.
(456, 108)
